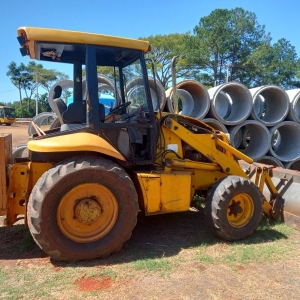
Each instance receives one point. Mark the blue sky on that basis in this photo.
(132, 19)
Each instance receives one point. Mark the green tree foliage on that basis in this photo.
(276, 64)
(44, 104)
(19, 77)
(231, 45)
(30, 80)
(164, 48)
(223, 41)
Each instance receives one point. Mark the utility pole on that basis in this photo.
(227, 72)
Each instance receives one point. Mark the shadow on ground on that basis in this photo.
(153, 237)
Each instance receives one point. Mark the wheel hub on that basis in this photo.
(240, 210)
(235, 208)
(87, 211)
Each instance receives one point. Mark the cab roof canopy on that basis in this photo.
(69, 46)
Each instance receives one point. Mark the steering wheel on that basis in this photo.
(119, 107)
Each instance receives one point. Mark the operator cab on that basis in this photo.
(128, 122)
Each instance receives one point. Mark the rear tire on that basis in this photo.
(83, 208)
(234, 208)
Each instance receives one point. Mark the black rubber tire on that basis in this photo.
(217, 204)
(55, 183)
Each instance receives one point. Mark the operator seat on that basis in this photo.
(74, 114)
(59, 105)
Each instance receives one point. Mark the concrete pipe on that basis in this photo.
(286, 145)
(270, 104)
(275, 139)
(55, 123)
(215, 124)
(294, 111)
(40, 119)
(194, 98)
(245, 137)
(158, 99)
(65, 84)
(259, 138)
(293, 165)
(270, 160)
(105, 84)
(19, 152)
(231, 103)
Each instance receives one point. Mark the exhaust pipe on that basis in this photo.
(194, 98)
(231, 103)
(270, 104)
(258, 141)
(294, 112)
(285, 141)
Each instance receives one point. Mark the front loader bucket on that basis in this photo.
(5, 159)
(287, 183)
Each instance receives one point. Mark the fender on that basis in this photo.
(80, 141)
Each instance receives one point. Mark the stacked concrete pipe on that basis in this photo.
(293, 165)
(194, 98)
(294, 111)
(158, 99)
(270, 104)
(287, 147)
(259, 138)
(231, 103)
(270, 160)
(40, 119)
(105, 84)
(215, 124)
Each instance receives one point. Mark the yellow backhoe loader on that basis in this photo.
(7, 115)
(83, 184)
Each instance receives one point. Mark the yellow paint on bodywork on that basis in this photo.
(87, 212)
(206, 144)
(34, 35)
(22, 178)
(166, 192)
(169, 139)
(80, 141)
(240, 210)
(5, 159)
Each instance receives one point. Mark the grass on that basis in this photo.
(157, 264)
(269, 243)
(156, 249)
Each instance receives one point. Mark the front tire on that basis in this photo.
(84, 208)
(234, 208)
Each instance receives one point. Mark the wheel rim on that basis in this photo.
(240, 210)
(87, 212)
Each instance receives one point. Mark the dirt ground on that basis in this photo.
(19, 133)
(175, 236)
